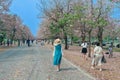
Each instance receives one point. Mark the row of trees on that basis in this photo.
(78, 18)
(11, 26)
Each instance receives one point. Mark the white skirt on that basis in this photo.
(97, 59)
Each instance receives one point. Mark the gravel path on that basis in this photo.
(35, 63)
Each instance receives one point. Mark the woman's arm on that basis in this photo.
(54, 51)
(62, 51)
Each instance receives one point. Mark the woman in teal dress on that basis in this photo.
(57, 53)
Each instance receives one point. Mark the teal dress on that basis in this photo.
(57, 54)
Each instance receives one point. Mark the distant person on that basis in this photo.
(36, 41)
(110, 49)
(32, 41)
(97, 57)
(42, 43)
(23, 41)
(18, 42)
(28, 42)
(84, 50)
(57, 53)
(8, 42)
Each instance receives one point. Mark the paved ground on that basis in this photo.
(35, 63)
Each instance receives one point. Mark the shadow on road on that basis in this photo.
(67, 69)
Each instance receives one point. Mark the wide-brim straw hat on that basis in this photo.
(57, 41)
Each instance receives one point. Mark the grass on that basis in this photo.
(116, 49)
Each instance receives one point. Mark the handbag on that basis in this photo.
(103, 59)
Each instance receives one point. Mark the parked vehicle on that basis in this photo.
(118, 45)
(103, 44)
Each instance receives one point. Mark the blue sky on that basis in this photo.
(27, 10)
(116, 13)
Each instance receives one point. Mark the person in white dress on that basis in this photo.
(97, 57)
(84, 50)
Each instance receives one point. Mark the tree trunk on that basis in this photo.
(100, 33)
(89, 53)
(112, 43)
(65, 38)
(66, 45)
(83, 33)
(72, 40)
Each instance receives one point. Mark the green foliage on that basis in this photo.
(1, 23)
(2, 33)
(63, 23)
(116, 1)
(78, 12)
(75, 38)
(65, 20)
(91, 23)
(1, 39)
(102, 22)
(54, 29)
(2, 36)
